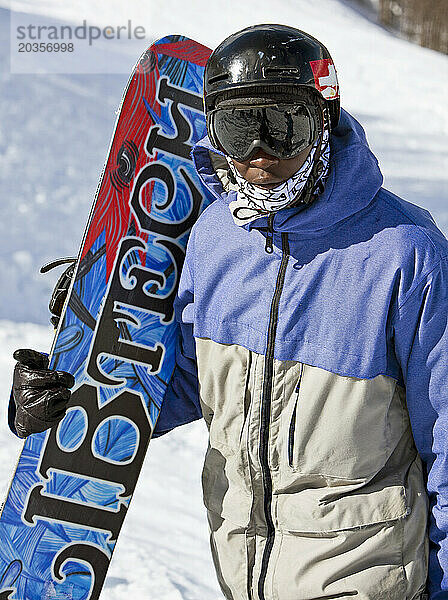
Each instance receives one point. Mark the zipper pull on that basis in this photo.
(270, 235)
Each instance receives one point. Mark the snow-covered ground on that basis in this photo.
(54, 133)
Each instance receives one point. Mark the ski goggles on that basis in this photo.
(281, 130)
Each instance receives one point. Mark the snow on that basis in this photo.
(54, 133)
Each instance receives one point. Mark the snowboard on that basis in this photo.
(72, 486)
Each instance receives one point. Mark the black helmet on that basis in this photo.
(265, 59)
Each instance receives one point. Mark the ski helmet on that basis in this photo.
(276, 62)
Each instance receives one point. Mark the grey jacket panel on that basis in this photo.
(348, 498)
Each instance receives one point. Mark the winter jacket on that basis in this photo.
(320, 370)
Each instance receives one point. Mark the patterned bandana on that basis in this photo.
(253, 202)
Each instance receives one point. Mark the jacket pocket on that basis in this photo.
(363, 563)
(351, 546)
(344, 427)
(308, 512)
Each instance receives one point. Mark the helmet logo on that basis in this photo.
(325, 78)
(281, 71)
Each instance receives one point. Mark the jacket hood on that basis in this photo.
(353, 181)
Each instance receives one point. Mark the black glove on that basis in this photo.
(40, 395)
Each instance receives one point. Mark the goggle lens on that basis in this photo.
(282, 130)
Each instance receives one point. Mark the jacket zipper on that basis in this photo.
(268, 247)
(266, 412)
(292, 430)
(292, 427)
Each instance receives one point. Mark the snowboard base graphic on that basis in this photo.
(73, 484)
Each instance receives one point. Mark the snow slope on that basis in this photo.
(54, 133)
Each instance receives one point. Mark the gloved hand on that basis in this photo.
(40, 394)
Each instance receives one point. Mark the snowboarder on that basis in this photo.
(313, 310)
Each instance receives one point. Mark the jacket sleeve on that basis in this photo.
(421, 345)
(181, 402)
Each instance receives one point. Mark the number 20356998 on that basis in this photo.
(45, 47)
